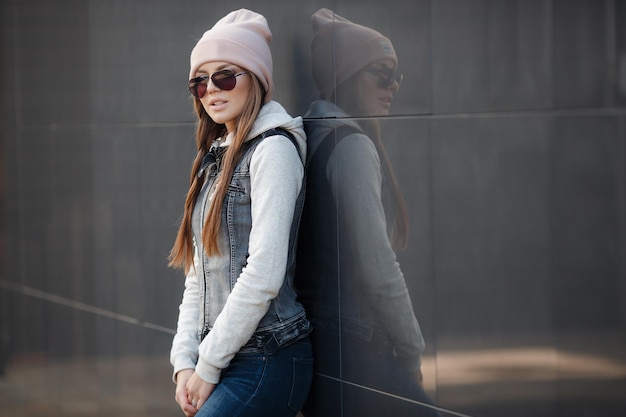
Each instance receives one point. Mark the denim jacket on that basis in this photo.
(218, 275)
(225, 290)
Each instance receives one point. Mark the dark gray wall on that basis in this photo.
(508, 137)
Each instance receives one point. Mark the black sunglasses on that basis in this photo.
(386, 76)
(224, 80)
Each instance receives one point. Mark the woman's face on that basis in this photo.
(376, 87)
(225, 106)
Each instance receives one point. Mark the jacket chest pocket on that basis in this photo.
(238, 204)
(239, 187)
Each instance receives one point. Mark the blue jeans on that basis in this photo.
(259, 384)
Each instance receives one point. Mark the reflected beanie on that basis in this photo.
(352, 47)
(243, 38)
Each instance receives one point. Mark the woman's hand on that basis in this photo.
(198, 391)
(182, 396)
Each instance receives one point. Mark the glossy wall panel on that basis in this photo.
(492, 220)
(491, 56)
(579, 85)
(492, 262)
(48, 61)
(586, 213)
(136, 47)
(507, 141)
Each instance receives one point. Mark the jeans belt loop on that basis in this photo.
(271, 345)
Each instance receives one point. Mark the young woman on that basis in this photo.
(241, 347)
(365, 330)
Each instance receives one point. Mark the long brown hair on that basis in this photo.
(181, 254)
(348, 98)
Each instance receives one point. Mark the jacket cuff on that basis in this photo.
(180, 364)
(208, 372)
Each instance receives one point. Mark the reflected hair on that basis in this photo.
(347, 97)
(182, 253)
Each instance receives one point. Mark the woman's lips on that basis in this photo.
(217, 104)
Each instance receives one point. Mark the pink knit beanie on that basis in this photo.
(352, 47)
(242, 38)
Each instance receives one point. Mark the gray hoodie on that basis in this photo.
(276, 173)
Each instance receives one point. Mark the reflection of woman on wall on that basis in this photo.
(241, 346)
(349, 280)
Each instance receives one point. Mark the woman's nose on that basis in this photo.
(211, 87)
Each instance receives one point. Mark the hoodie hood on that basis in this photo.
(273, 115)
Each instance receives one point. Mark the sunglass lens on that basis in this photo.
(200, 89)
(197, 86)
(224, 80)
